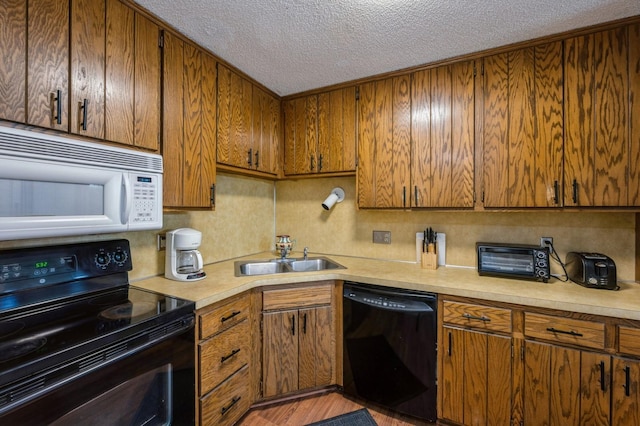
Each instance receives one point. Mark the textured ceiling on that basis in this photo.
(295, 45)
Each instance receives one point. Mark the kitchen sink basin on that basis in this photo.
(278, 266)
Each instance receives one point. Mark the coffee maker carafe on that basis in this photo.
(183, 260)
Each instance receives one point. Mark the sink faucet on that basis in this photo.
(305, 252)
(283, 254)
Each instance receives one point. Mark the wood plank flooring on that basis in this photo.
(312, 409)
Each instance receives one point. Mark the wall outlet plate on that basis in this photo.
(382, 237)
(547, 242)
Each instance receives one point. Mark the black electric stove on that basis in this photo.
(68, 310)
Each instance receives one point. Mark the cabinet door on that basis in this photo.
(316, 350)
(300, 135)
(189, 128)
(565, 386)
(336, 150)
(234, 120)
(48, 64)
(87, 67)
(147, 84)
(119, 73)
(13, 63)
(384, 142)
(626, 392)
(477, 378)
(265, 135)
(442, 122)
(280, 352)
(598, 120)
(522, 125)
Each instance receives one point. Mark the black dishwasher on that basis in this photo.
(389, 350)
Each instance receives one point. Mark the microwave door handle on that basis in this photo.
(126, 199)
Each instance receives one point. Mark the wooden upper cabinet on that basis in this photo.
(602, 147)
(320, 133)
(265, 119)
(248, 124)
(442, 133)
(523, 127)
(87, 67)
(189, 130)
(384, 143)
(132, 86)
(13, 63)
(48, 64)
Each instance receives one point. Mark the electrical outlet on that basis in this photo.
(382, 237)
(162, 242)
(547, 242)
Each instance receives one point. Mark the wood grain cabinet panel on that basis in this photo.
(564, 330)
(476, 387)
(601, 91)
(625, 403)
(248, 124)
(189, 125)
(523, 127)
(320, 133)
(223, 317)
(480, 317)
(384, 143)
(443, 136)
(13, 63)
(227, 403)
(298, 341)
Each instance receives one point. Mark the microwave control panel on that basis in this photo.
(147, 201)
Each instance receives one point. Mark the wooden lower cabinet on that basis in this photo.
(299, 342)
(476, 382)
(625, 403)
(223, 355)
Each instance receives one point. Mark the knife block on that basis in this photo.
(430, 259)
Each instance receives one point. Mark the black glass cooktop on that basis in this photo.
(63, 331)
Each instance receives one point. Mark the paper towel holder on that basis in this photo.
(336, 196)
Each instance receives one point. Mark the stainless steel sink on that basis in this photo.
(278, 266)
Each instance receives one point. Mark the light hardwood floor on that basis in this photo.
(315, 408)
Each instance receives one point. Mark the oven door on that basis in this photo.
(155, 386)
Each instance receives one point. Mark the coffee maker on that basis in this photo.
(183, 261)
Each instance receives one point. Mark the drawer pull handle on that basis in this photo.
(231, 355)
(473, 317)
(570, 332)
(233, 314)
(627, 379)
(226, 409)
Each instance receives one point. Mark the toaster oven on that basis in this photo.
(521, 261)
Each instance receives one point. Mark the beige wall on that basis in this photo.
(348, 231)
(241, 224)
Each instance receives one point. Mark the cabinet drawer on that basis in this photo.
(564, 330)
(477, 316)
(628, 340)
(297, 297)
(223, 317)
(228, 402)
(223, 354)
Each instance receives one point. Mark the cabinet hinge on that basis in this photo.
(357, 93)
(475, 71)
(213, 195)
(482, 199)
(522, 353)
(161, 40)
(482, 69)
(474, 197)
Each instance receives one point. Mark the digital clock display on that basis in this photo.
(42, 264)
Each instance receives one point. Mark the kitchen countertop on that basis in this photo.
(221, 283)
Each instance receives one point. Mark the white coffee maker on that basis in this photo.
(183, 261)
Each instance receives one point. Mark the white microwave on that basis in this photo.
(54, 186)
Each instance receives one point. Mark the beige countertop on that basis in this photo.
(221, 283)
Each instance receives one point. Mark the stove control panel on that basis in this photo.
(32, 267)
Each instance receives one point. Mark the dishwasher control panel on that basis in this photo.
(394, 300)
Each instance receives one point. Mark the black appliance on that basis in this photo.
(389, 351)
(520, 261)
(593, 270)
(78, 345)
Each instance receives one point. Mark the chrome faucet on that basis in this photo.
(305, 252)
(283, 254)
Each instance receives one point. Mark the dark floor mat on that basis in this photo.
(355, 418)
